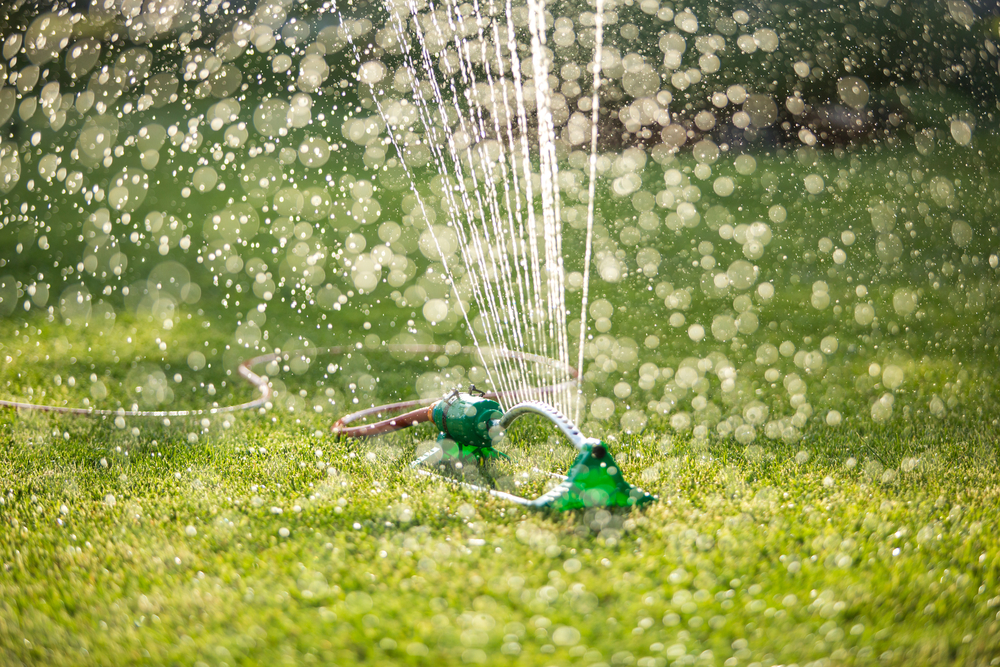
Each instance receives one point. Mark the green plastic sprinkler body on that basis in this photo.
(469, 425)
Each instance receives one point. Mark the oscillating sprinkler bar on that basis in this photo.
(568, 428)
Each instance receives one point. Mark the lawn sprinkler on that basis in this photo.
(470, 425)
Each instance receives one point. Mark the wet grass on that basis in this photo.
(268, 542)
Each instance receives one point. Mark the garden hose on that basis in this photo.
(260, 382)
(263, 385)
(419, 411)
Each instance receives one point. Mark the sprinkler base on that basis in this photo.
(594, 480)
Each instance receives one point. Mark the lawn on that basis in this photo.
(793, 341)
(262, 540)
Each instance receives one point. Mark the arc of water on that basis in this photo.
(515, 219)
(472, 203)
(476, 127)
(477, 257)
(554, 287)
(549, 169)
(526, 256)
(472, 254)
(498, 259)
(591, 188)
(502, 258)
(522, 260)
(522, 117)
(491, 187)
(500, 380)
(454, 208)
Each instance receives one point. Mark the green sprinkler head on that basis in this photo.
(469, 424)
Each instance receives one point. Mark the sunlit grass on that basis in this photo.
(827, 479)
(270, 542)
